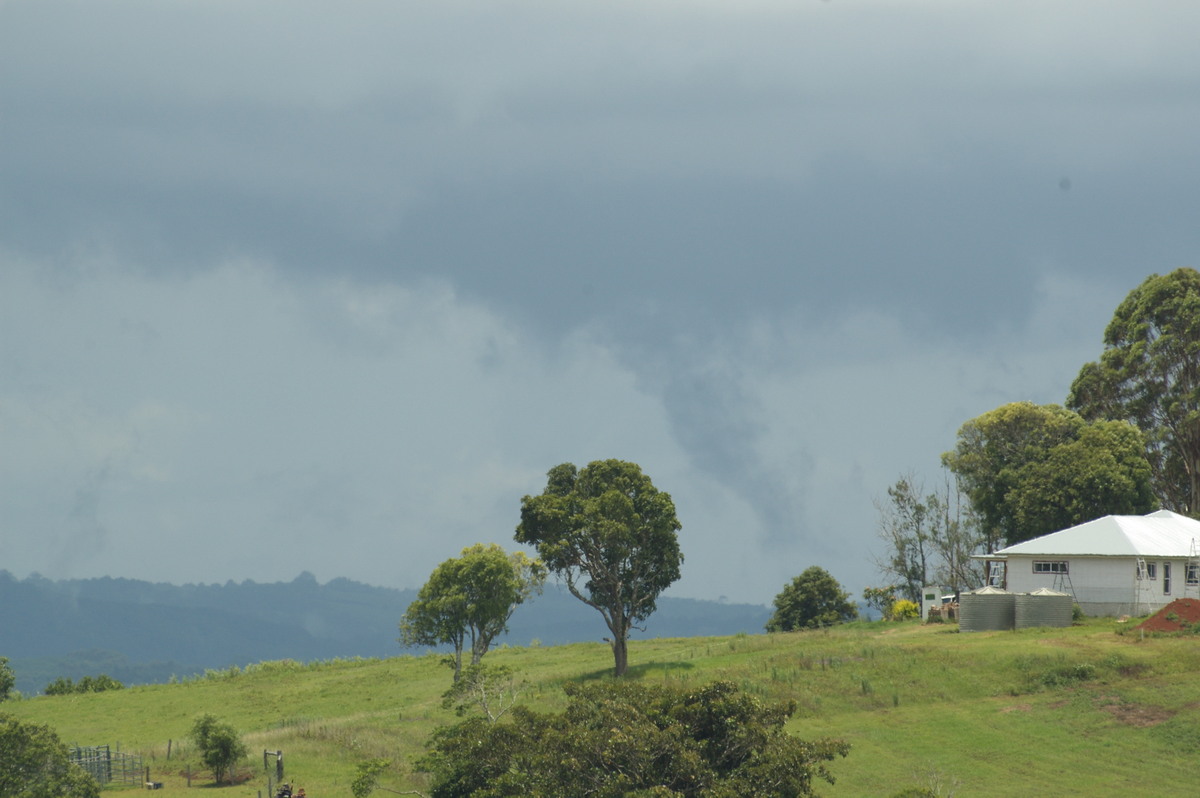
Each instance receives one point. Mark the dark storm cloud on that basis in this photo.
(778, 250)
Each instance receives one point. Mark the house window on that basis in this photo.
(1049, 566)
(1166, 579)
(1152, 570)
(1193, 574)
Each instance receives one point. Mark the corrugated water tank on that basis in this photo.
(986, 609)
(1043, 607)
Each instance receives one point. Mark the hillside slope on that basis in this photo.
(142, 632)
(1083, 711)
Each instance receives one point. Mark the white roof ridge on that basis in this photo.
(1162, 533)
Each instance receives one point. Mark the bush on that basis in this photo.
(623, 738)
(88, 684)
(7, 679)
(903, 610)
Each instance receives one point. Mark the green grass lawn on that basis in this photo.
(1055, 712)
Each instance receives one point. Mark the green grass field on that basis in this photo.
(1053, 712)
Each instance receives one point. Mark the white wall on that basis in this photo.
(1105, 585)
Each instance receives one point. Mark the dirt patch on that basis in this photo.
(1180, 614)
(1016, 708)
(1139, 715)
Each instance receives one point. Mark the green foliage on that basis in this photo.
(1040, 672)
(88, 684)
(490, 690)
(611, 536)
(366, 777)
(1034, 469)
(1147, 376)
(470, 599)
(626, 739)
(904, 610)
(812, 600)
(219, 744)
(332, 715)
(34, 764)
(880, 599)
(7, 679)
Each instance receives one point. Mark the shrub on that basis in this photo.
(220, 746)
(88, 684)
(625, 738)
(903, 610)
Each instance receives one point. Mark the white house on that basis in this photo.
(1115, 565)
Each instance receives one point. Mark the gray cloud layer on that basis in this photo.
(299, 286)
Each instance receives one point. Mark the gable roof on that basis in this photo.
(1159, 534)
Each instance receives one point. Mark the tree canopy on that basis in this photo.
(220, 746)
(34, 764)
(1034, 469)
(618, 738)
(811, 600)
(1149, 375)
(470, 599)
(611, 536)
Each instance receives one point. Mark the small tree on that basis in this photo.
(219, 744)
(880, 599)
(928, 538)
(812, 600)
(34, 764)
(612, 536)
(470, 599)
(493, 691)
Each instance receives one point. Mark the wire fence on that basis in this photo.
(107, 766)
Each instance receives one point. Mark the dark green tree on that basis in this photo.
(1149, 375)
(611, 536)
(619, 738)
(7, 679)
(1034, 469)
(34, 764)
(219, 744)
(811, 600)
(469, 599)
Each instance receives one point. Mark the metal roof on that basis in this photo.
(1159, 534)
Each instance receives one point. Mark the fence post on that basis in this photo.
(168, 749)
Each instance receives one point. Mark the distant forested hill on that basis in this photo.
(140, 632)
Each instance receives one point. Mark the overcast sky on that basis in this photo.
(319, 286)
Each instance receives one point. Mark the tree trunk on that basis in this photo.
(620, 654)
(457, 661)
(619, 626)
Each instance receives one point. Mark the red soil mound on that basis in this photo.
(1184, 612)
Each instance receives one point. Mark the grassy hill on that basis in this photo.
(1080, 711)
